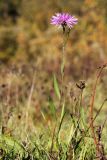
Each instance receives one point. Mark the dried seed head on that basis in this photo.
(81, 84)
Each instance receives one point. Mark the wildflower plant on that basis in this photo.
(66, 22)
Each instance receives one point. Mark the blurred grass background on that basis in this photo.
(26, 34)
(30, 51)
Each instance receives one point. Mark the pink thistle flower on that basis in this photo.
(64, 19)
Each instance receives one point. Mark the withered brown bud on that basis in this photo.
(81, 84)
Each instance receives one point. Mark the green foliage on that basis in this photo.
(11, 148)
(79, 147)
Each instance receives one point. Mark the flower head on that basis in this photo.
(64, 19)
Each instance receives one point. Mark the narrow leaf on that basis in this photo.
(62, 111)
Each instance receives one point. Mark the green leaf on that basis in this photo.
(56, 87)
(62, 111)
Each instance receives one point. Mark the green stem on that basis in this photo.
(65, 38)
(62, 67)
(62, 99)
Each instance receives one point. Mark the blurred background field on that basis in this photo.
(30, 45)
(30, 52)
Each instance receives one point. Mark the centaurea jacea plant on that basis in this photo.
(66, 22)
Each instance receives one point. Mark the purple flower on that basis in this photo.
(64, 19)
